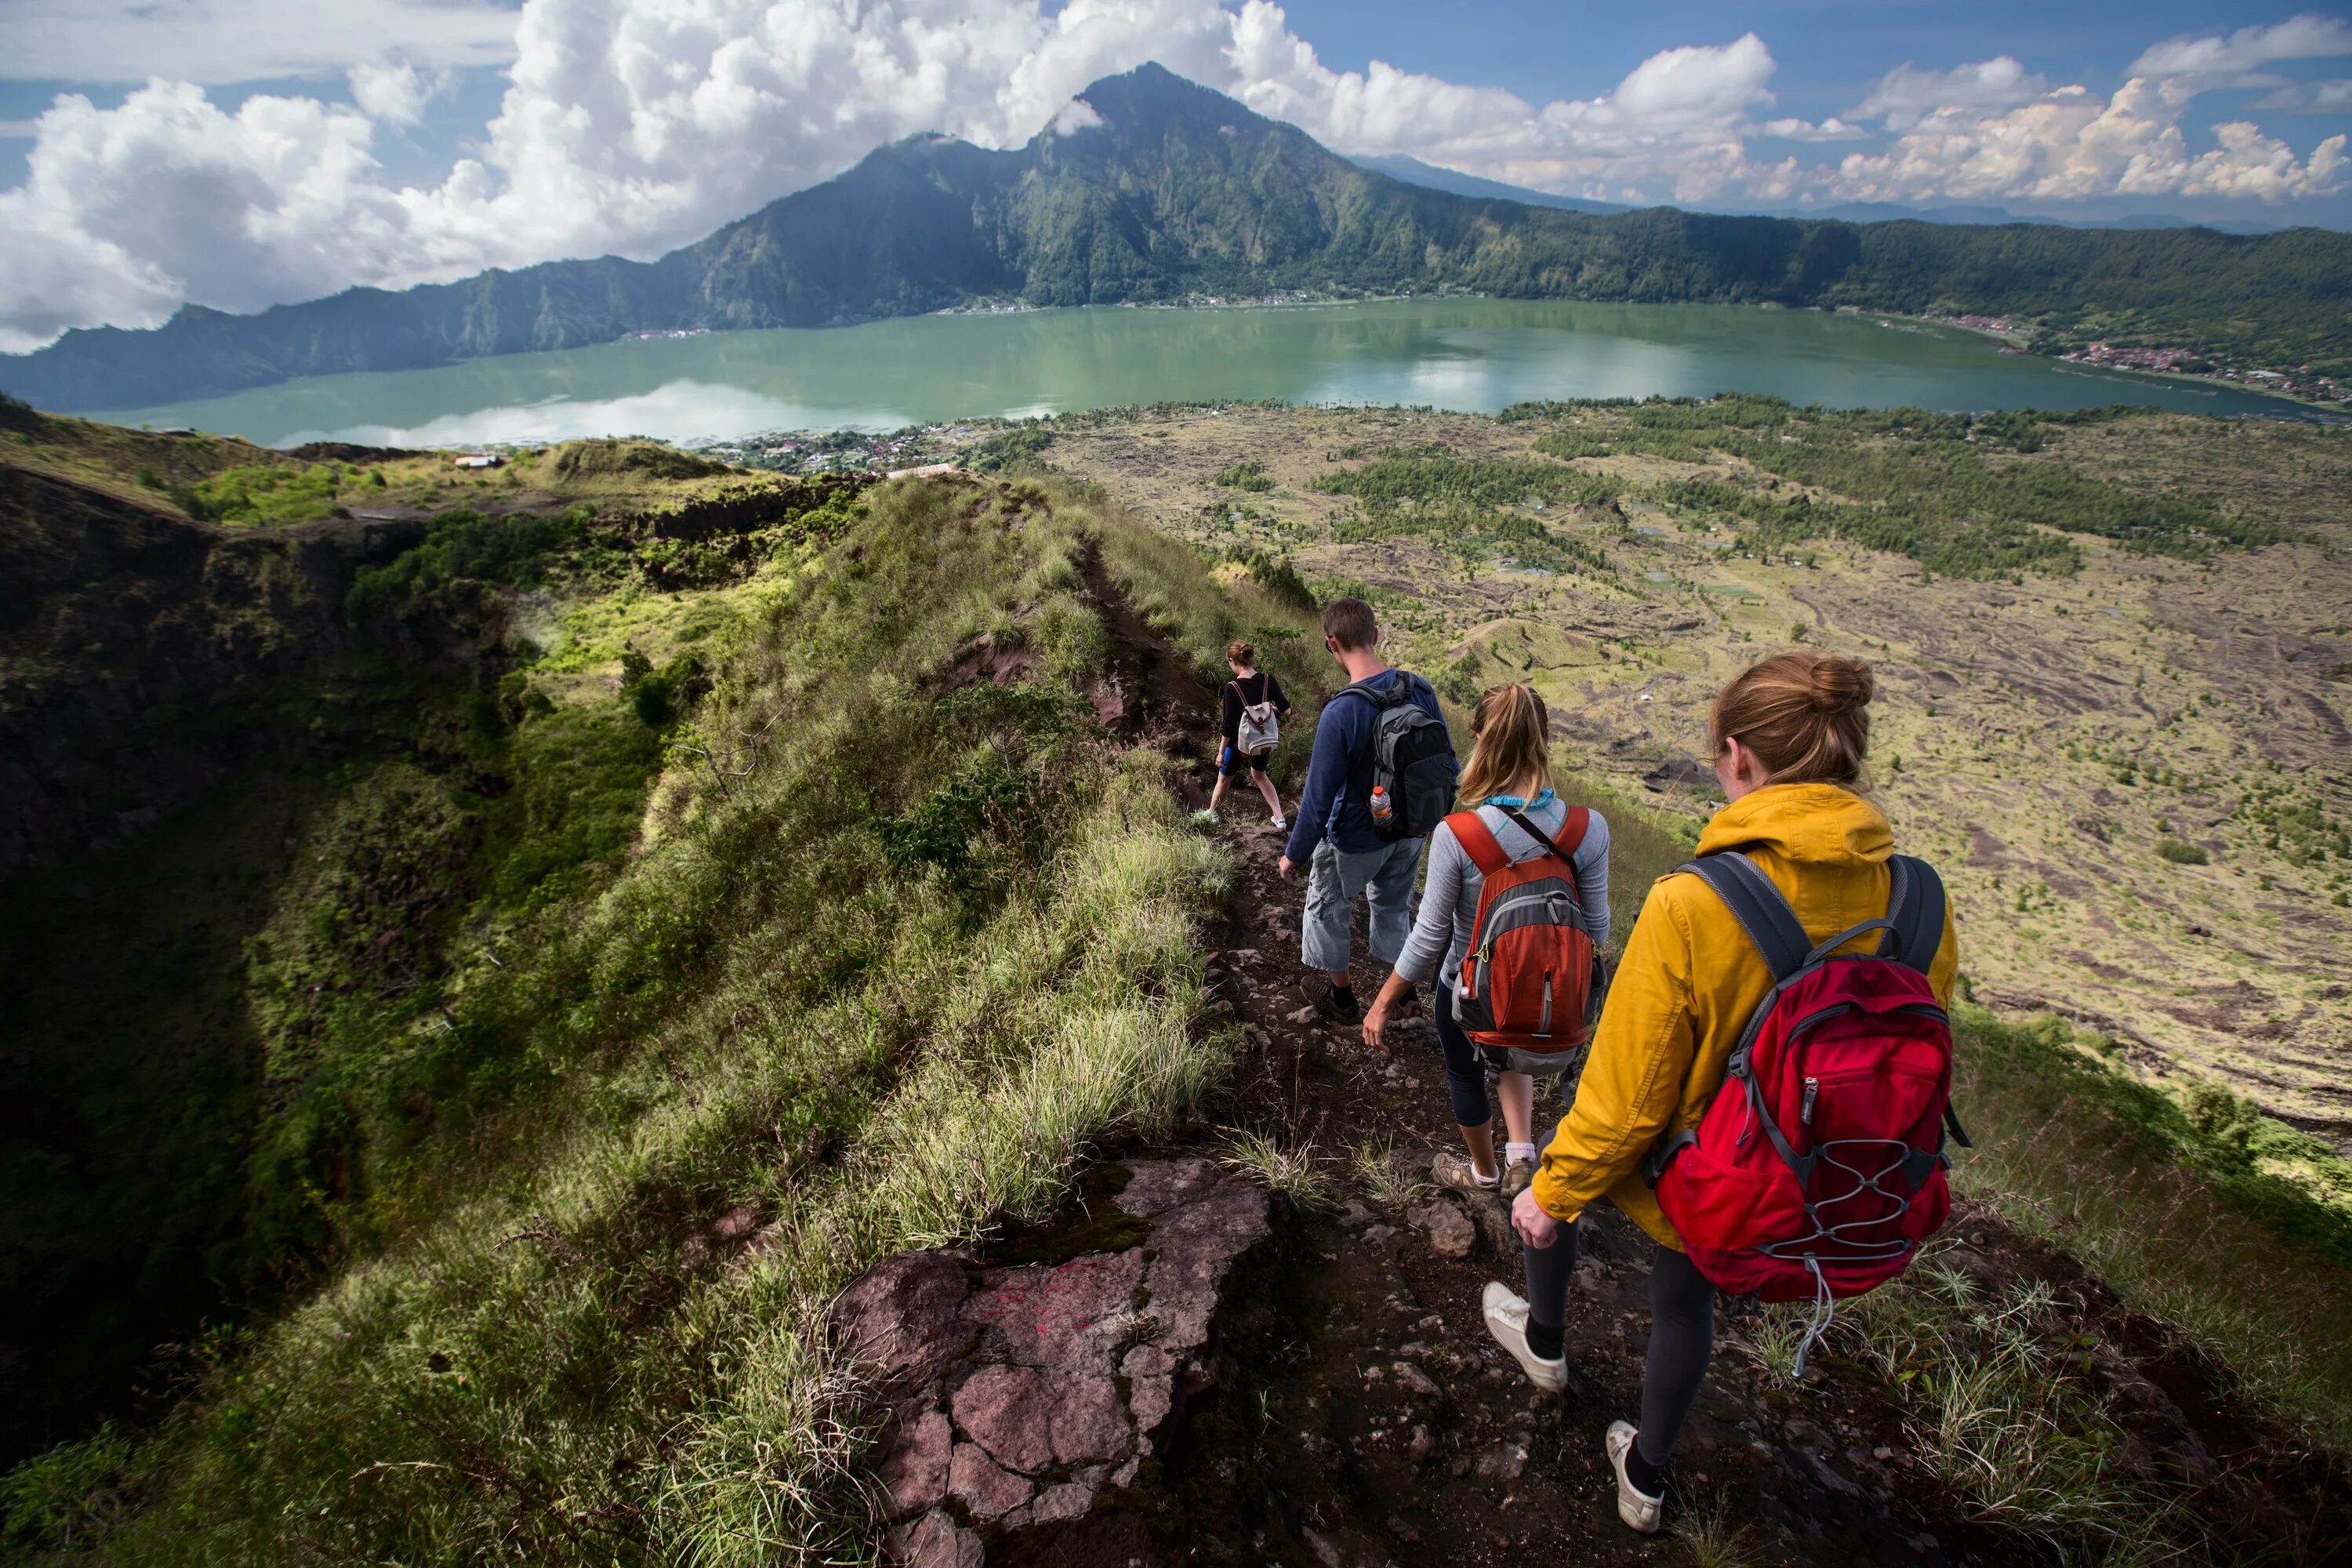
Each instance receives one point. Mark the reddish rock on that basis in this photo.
(916, 1472)
(1070, 1317)
(1151, 1374)
(1008, 1411)
(1067, 1501)
(1028, 1418)
(1195, 1244)
(899, 1318)
(1028, 1375)
(987, 1490)
(934, 1541)
(1088, 1423)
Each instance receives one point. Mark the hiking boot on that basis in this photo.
(1507, 1320)
(1454, 1171)
(1637, 1508)
(1408, 1005)
(1328, 1003)
(1517, 1178)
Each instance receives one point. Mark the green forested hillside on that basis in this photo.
(1180, 191)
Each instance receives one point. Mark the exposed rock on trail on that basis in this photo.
(1021, 1394)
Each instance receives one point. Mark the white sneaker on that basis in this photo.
(1281, 825)
(1507, 1320)
(1637, 1508)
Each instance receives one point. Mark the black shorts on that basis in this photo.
(1230, 761)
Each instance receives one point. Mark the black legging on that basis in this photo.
(1466, 1068)
(1682, 1332)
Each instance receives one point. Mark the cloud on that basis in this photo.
(396, 94)
(1906, 95)
(128, 211)
(2214, 60)
(2310, 97)
(2072, 145)
(1829, 130)
(1678, 117)
(1076, 116)
(214, 42)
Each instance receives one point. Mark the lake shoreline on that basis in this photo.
(1459, 351)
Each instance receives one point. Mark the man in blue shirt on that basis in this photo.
(1331, 833)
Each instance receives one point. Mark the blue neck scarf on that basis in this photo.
(1515, 802)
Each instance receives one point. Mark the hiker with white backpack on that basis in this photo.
(1513, 913)
(1768, 1090)
(1254, 706)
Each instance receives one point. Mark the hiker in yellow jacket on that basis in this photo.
(1790, 734)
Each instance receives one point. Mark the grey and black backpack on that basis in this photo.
(1413, 766)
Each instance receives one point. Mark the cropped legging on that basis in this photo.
(1466, 1068)
(1682, 1331)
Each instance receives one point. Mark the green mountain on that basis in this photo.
(1179, 190)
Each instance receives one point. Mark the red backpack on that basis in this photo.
(1531, 975)
(1818, 1169)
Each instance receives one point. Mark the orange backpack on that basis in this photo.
(1531, 976)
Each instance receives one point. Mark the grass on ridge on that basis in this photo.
(770, 1051)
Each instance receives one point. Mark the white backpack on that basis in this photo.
(1260, 727)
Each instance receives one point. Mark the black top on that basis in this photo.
(1259, 688)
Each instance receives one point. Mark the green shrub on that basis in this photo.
(1022, 445)
(1277, 577)
(2182, 854)
(624, 456)
(1249, 475)
(462, 556)
(258, 496)
(55, 1500)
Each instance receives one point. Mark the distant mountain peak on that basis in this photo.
(1151, 95)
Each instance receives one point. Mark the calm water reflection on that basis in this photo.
(1460, 353)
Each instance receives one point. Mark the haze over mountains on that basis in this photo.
(1157, 189)
(1414, 171)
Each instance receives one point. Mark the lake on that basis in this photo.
(1469, 354)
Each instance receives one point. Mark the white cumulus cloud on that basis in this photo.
(396, 94)
(1994, 130)
(1906, 95)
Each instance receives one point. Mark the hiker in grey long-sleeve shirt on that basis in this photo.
(1509, 767)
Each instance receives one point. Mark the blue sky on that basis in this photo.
(236, 153)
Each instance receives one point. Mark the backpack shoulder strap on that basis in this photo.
(1377, 699)
(1572, 832)
(1471, 832)
(1915, 912)
(1759, 908)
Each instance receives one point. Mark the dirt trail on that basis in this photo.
(1360, 1415)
